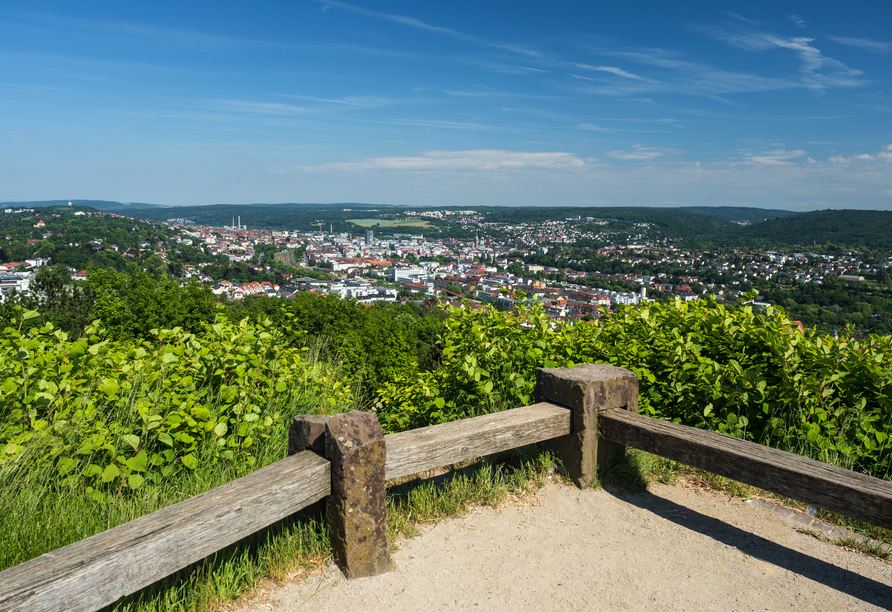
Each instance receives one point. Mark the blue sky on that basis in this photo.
(768, 104)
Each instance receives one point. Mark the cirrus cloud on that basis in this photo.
(484, 160)
(777, 157)
(642, 153)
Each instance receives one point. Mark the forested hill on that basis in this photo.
(738, 214)
(697, 226)
(105, 205)
(287, 216)
(868, 228)
(670, 222)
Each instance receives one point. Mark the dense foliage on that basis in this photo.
(373, 344)
(107, 416)
(835, 306)
(747, 374)
(79, 238)
(738, 214)
(868, 228)
(129, 306)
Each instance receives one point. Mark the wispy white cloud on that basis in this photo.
(817, 71)
(741, 18)
(456, 161)
(798, 21)
(434, 123)
(487, 93)
(642, 153)
(600, 128)
(614, 70)
(400, 19)
(413, 22)
(873, 46)
(511, 69)
(263, 108)
(346, 101)
(556, 179)
(885, 155)
(684, 76)
(777, 157)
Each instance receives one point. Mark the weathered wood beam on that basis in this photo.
(849, 493)
(97, 571)
(418, 450)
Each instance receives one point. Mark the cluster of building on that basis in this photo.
(17, 276)
(370, 267)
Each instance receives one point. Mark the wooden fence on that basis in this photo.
(585, 414)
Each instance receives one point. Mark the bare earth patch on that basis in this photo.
(671, 548)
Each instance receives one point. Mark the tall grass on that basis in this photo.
(485, 482)
(38, 514)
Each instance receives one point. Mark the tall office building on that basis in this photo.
(369, 237)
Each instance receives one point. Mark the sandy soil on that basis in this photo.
(668, 549)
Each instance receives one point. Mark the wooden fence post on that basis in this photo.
(587, 390)
(357, 508)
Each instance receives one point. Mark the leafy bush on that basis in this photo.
(111, 416)
(736, 371)
(373, 344)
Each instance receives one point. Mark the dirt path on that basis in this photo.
(667, 549)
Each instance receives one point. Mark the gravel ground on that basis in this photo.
(670, 548)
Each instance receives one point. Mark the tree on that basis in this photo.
(131, 306)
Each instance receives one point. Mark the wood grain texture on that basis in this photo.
(850, 493)
(414, 451)
(98, 570)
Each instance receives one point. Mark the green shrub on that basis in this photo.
(111, 416)
(736, 371)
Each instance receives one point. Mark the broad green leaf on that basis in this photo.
(66, 464)
(92, 470)
(138, 463)
(110, 472)
(109, 388)
(132, 440)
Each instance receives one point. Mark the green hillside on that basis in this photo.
(671, 223)
(738, 214)
(853, 228)
(289, 216)
(106, 205)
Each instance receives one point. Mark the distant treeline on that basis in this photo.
(703, 227)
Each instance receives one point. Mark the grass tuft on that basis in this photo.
(857, 543)
(484, 482)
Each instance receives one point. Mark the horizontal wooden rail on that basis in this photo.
(97, 571)
(418, 450)
(849, 493)
(589, 402)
